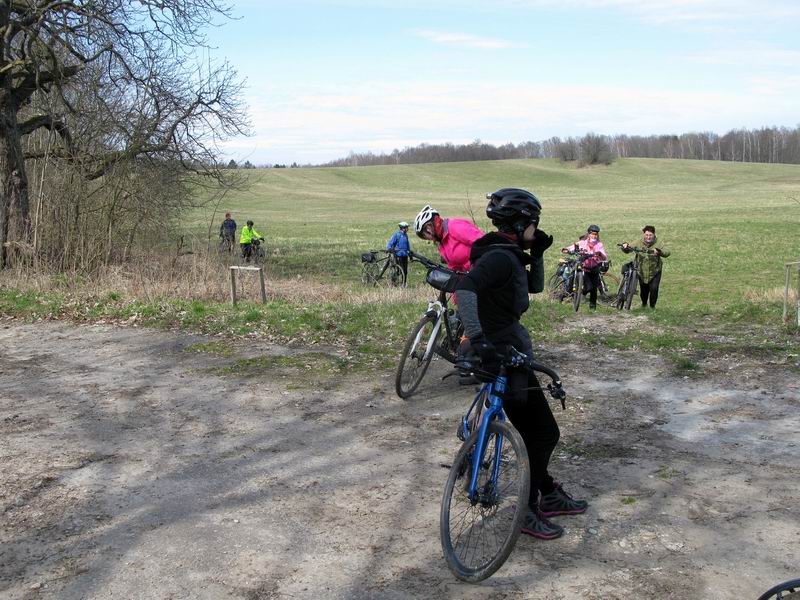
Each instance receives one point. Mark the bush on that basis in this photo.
(595, 150)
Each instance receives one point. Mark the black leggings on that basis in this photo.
(403, 262)
(591, 278)
(650, 290)
(530, 414)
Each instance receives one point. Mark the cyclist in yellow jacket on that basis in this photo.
(249, 234)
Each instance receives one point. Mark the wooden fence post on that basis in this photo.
(786, 288)
(262, 285)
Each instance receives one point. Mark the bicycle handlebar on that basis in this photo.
(428, 263)
(639, 250)
(516, 359)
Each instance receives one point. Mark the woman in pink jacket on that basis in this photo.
(453, 237)
(591, 244)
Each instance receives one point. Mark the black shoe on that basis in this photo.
(593, 306)
(536, 525)
(468, 380)
(559, 502)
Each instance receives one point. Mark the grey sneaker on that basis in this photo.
(538, 526)
(559, 502)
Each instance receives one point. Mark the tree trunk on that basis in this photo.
(14, 210)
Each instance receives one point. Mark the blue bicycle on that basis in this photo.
(486, 494)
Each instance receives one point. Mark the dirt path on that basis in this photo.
(134, 469)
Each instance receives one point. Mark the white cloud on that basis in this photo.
(466, 40)
(749, 55)
(316, 125)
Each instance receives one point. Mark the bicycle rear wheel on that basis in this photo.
(416, 358)
(577, 290)
(369, 273)
(555, 287)
(395, 276)
(631, 291)
(478, 536)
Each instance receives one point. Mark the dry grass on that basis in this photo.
(198, 277)
(773, 295)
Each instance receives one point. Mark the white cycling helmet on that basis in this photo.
(402, 225)
(423, 217)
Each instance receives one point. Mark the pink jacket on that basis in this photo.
(584, 246)
(459, 235)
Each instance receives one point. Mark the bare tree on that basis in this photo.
(117, 81)
(595, 149)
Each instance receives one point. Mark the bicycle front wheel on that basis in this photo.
(631, 291)
(577, 290)
(416, 356)
(479, 534)
(789, 590)
(395, 275)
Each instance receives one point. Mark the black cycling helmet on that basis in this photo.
(249, 223)
(512, 209)
(592, 228)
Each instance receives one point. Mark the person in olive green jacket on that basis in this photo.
(649, 265)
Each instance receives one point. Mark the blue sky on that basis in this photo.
(325, 78)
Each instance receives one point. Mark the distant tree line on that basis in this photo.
(768, 145)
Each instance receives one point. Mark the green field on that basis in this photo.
(730, 227)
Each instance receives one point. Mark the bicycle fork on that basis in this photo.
(494, 411)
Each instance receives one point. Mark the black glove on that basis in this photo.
(487, 353)
(541, 242)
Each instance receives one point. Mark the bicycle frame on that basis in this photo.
(493, 411)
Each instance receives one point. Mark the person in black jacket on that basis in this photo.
(491, 298)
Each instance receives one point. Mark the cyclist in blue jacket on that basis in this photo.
(400, 245)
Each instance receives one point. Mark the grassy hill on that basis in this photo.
(730, 226)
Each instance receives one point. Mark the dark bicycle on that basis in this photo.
(486, 495)
(569, 279)
(630, 280)
(377, 270)
(437, 333)
(254, 252)
(789, 590)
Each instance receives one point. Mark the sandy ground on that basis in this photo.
(134, 469)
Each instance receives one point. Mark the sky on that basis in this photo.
(326, 78)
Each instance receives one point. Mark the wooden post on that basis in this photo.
(787, 286)
(797, 299)
(263, 287)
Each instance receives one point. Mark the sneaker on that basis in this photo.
(539, 527)
(559, 502)
(593, 306)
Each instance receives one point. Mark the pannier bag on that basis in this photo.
(443, 279)
(369, 257)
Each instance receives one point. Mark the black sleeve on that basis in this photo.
(492, 270)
